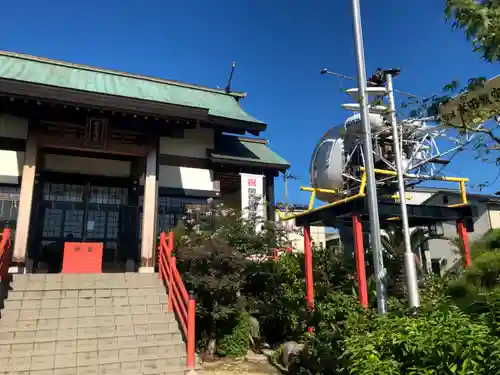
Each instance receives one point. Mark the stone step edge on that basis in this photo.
(159, 293)
(16, 327)
(84, 337)
(121, 327)
(171, 370)
(146, 344)
(82, 287)
(9, 303)
(170, 315)
(83, 316)
(100, 361)
(35, 275)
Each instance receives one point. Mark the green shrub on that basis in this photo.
(237, 342)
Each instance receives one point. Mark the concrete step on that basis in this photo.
(61, 324)
(130, 344)
(15, 295)
(76, 312)
(85, 301)
(98, 362)
(88, 332)
(83, 281)
(89, 321)
(119, 321)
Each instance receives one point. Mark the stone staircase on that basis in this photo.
(72, 324)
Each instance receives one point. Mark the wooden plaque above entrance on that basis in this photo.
(96, 135)
(96, 132)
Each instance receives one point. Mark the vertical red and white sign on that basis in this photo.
(252, 197)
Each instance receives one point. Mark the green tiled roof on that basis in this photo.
(43, 71)
(237, 150)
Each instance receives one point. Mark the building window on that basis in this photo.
(9, 203)
(171, 210)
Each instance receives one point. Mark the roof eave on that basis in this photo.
(221, 159)
(250, 126)
(67, 64)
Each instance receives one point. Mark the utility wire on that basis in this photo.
(354, 79)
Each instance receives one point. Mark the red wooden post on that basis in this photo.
(170, 244)
(359, 256)
(162, 254)
(464, 236)
(308, 260)
(191, 333)
(6, 236)
(275, 255)
(171, 268)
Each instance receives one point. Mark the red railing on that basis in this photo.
(5, 252)
(276, 252)
(179, 300)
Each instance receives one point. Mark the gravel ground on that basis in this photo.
(239, 368)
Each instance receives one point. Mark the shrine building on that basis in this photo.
(110, 157)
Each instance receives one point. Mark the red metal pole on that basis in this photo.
(308, 260)
(171, 267)
(359, 256)
(191, 333)
(464, 236)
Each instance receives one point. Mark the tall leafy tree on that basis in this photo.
(480, 19)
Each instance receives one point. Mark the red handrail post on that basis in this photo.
(162, 252)
(5, 254)
(308, 259)
(171, 268)
(191, 333)
(359, 257)
(464, 236)
(170, 243)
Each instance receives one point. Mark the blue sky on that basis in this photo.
(279, 47)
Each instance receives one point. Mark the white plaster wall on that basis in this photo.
(185, 178)
(11, 166)
(11, 162)
(494, 212)
(89, 166)
(296, 236)
(13, 127)
(417, 197)
(444, 248)
(194, 144)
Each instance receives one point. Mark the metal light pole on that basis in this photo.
(369, 165)
(409, 258)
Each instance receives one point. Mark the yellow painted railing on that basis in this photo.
(361, 193)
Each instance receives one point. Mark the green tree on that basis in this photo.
(480, 19)
(394, 248)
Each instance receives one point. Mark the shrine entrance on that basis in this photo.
(84, 211)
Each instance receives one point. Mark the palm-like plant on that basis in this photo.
(393, 243)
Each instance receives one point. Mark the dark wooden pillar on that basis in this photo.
(269, 189)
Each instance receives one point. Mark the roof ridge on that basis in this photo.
(68, 64)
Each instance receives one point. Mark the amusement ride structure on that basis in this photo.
(404, 152)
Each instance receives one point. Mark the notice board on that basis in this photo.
(82, 257)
